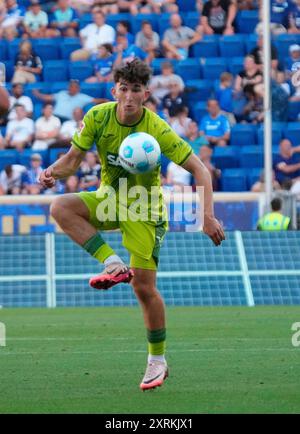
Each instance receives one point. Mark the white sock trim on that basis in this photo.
(152, 358)
(113, 259)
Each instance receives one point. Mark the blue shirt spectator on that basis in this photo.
(64, 19)
(214, 126)
(286, 164)
(224, 92)
(294, 18)
(279, 11)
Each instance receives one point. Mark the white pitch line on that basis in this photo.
(199, 350)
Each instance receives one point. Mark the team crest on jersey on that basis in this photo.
(81, 127)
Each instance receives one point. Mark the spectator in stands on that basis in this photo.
(93, 35)
(293, 60)
(131, 6)
(123, 30)
(280, 101)
(215, 126)
(64, 20)
(249, 77)
(19, 132)
(178, 39)
(294, 18)
(177, 176)
(18, 98)
(280, 79)
(254, 109)
(180, 122)
(152, 105)
(30, 178)
(10, 179)
(194, 138)
(160, 84)
(81, 6)
(205, 156)
(274, 220)
(68, 129)
(127, 53)
(175, 99)
(258, 54)
(35, 21)
(89, 172)
(28, 65)
(12, 17)
(276, 28)
(259, 186)
(46, 129)
(158, 6)
(72, 184)
(67, 100)
(224, 92)
(287, 163)
(103, 65)
(148, 40)
(218, 17)
(108, 6)
(279, 12)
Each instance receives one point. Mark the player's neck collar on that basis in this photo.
(128, 125)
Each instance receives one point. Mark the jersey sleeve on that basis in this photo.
(84, 138)
(172, 146)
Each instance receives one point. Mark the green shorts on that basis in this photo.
(142, 239)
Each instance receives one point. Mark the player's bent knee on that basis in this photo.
(143, 290)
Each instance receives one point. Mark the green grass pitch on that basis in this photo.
(91, 360)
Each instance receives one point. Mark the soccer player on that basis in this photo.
(78, 214)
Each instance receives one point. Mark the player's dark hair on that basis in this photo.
(135, 71)
(276, 204)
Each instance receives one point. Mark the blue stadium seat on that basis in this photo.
(233, 45)
(293, 110)
(251, 42)
(163, 23)
(55, 70)
(69, 45)
(199, 90)
(277, 134)
(42, 86)
(46, 49)
(189, 69)
(80, 70)
(246, 21)
(85, 19)
(243, 134)
(136, 22)
(96, 90)
(24, 157)
(108, 89)
(13, 48)
(234, 180)
(156, 64)
(213, 67)
(251, 156)
(3, 50)
(8, 156)
(225, 157)
(59, 86)
(253, 175)
(198, 110)
(191, 19)
(113, 20)
(186, 5)
(37, 110)
(292, 132)
(9, 69)
(208, 47)
(54, 152)
(235, 64)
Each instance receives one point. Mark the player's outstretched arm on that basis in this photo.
(67, 165)
(4, 101)
(211, 226)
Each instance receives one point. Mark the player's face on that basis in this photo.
(130, 96)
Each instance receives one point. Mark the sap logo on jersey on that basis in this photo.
(113, 159)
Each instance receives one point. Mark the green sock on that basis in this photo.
(97, 248)
(156, 342)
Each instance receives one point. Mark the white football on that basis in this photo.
(139, 153)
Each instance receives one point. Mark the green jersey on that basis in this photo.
(101, 127)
